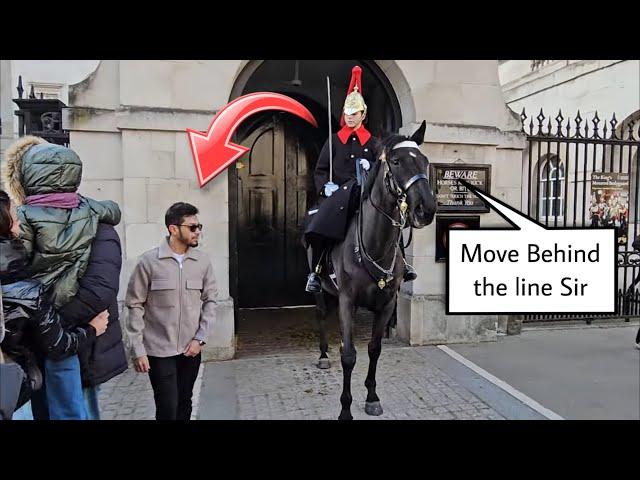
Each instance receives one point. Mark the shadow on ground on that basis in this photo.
(293, 330)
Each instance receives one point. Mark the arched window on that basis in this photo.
(551, 189)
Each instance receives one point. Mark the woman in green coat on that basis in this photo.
(57, 228)
(57, 225)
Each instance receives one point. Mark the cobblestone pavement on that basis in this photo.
(129, 397)
(409, 387)
(274, 376)
(277, 378)
(290, 386)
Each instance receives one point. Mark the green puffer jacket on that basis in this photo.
(57, 240)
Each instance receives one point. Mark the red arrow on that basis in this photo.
(213, 150)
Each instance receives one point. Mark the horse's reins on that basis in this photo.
(401, 195)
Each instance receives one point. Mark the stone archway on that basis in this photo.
(271, 195)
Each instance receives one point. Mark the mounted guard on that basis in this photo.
(338, 179)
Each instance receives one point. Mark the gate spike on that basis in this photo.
(523, 118)
(595, 122)
(540, 119)
(613, 123)
(559, 119)
(578, 122)
(20, 89)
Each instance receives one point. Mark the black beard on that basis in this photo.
(185, 241)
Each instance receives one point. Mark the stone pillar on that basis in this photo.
(139, 156)
(467, 123)
(6, 106)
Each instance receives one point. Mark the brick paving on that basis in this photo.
(129, 397)
(292, 387)
(276, 377)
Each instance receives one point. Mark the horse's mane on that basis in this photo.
(390, 141)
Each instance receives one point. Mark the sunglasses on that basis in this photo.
(192, 228)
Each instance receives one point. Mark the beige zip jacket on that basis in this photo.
(169, 305)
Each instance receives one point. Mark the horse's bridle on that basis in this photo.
(392, 186)
(400, 193)
(404, 189)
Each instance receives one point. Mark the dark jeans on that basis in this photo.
(172, 380)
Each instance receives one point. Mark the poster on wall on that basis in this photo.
(452, 196)
(444, 223)
(609, 206)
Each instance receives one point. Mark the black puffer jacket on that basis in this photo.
(32, 327)
(97, 291)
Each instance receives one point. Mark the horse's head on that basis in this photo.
(407, 174)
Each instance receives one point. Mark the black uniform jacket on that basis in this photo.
(333, 213)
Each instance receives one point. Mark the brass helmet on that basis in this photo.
(354, 101)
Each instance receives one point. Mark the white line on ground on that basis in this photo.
(503, 385)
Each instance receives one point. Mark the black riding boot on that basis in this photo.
(409, 272)
(313, 283)
(314, 253)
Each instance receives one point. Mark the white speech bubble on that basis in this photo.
(530, 269)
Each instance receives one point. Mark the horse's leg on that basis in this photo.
(323, 303)
(347, 311)
(393, 320)
(372, 405)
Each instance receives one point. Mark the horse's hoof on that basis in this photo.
(373, 408)
(345, 415)
(324, 363)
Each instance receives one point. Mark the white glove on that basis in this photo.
(364, 163)
(329, 188)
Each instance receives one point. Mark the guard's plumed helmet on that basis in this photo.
(354, 101)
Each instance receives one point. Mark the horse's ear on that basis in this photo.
(418, 136)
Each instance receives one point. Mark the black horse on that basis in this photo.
(366, 268)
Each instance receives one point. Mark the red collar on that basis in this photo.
(362, 134)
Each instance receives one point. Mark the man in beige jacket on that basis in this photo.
(171, 303)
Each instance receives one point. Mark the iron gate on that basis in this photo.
(582, 177)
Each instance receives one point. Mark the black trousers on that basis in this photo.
(172, 380)
(316, 246)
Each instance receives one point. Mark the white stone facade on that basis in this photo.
(605, 86)
(128, 120)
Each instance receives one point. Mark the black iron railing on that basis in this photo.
(577, 176)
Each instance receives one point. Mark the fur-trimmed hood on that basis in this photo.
(34, 166)
(11, 175)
